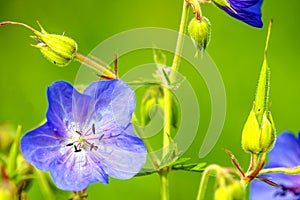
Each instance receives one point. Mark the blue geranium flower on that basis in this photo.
(286, 153)
(87, 137)
(248, 11)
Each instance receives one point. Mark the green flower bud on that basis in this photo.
(6, 136)
(268, 132)
(23, 167)
(6, 194)
(222, 193)
(199, 30)
(259, 131)
(258, 137)
(59, 49)
(237, 191)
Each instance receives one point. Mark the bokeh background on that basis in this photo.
(236, 48)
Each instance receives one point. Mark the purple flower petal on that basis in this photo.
(115, 96)
(262, 191)
(66, 106)
(75, 172)
(41, 146)
(87, 136)
(123, 155)
(248, 11)
(286, 153)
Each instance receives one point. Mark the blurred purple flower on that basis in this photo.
(87, 137)
(286, 153)
(248, 11)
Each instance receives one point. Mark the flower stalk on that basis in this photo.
(61, 50)
(168, 101)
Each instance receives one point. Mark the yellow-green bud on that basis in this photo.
(268, 132)
(237, 191)
(6, 136)
(259, 131)
(59, 49)
(222, 193)
(6, 194)
(258, 137)
(23, 167)
(199, 30)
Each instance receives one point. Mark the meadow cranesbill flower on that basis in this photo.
(248, 11)
(87, 137)
(286, 153)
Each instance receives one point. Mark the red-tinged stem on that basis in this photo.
(91, 63)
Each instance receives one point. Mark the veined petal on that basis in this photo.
(122, 156)
(87, 136)
(41, 146)
(76, 171)
(244, 3)
(245, 11)
(286, 152)
(68, 109)
(262, 191)
(114, 99)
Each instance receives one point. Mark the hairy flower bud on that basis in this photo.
(268, 132)
(59, 49)
(222, 193)
(6, 136)
(237, 191)
(259, 131)
(6, 194)
(258, 137)
(199, 30)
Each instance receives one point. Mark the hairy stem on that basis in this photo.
(164, 186)
(168, 101)
(91, 63)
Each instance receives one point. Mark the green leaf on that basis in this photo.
(146, 172)
(159, 57)
(199, 167)
(193, 167)
(171, 157)
(181, 161)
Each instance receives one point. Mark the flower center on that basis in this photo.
(84, 140)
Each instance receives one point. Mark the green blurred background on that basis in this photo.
(236, 48)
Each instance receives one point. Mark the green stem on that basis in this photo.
(164, 186)
(179, 43)
(91, 63)
(167, 92)
(204, 179)
(168, 101)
